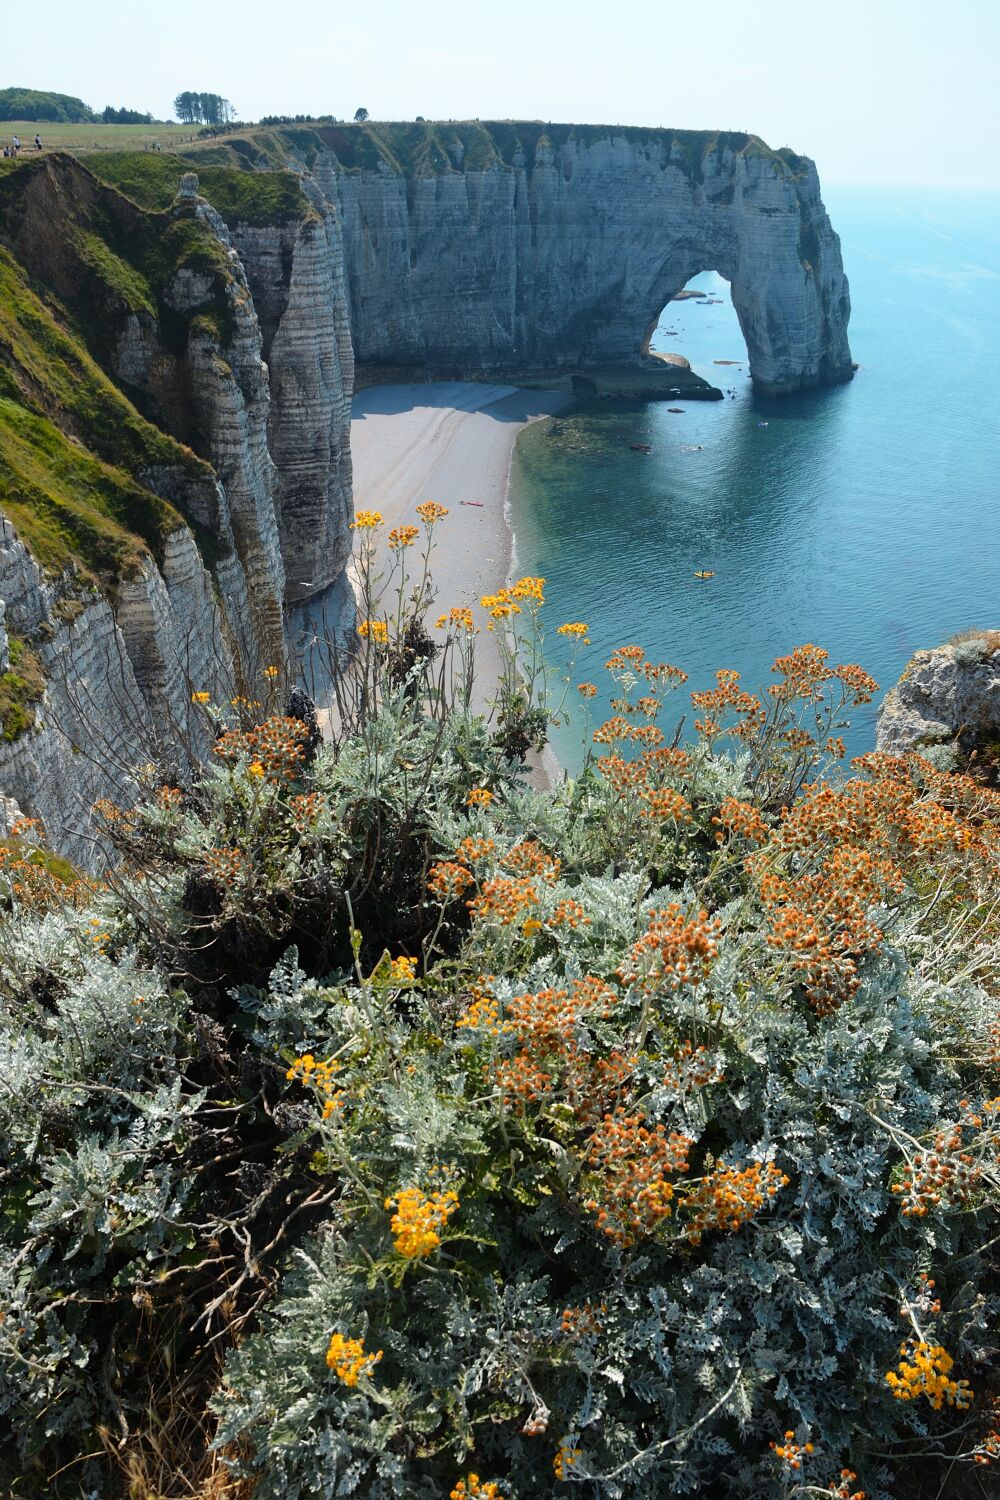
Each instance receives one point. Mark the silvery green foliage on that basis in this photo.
(93, 1124)
(701, 1358)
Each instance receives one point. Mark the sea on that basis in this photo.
(864, 519)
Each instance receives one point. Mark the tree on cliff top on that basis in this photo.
(209, 109)
(360, 115)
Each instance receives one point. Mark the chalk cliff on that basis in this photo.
(176, 376)
(492, 249)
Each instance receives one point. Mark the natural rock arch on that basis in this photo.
(534, 249)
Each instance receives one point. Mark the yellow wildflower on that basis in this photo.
(201, 697)
(577, 628)
(256, 770)
(376, 630)
(565, 1458)
(272, 672)
(403, 970)
(366, 520)
(430, 512)
(925, 1370)
(348, 1360)
(418, 1218)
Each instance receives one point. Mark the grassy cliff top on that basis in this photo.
(433, 147)
(150, 179)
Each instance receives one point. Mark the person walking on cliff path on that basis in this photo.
(17, 145)
(38, 141)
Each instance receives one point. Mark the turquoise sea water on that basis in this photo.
(864, 518)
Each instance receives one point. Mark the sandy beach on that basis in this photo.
(451, 442)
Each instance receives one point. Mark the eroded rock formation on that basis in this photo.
(521, 249)
(949, 696)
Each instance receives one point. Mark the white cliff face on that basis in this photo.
(117, 685)
(948, 696)
(565, 258)
(295, 273)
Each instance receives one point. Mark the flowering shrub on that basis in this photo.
(378, 1124)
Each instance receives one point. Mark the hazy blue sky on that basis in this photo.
(885, 90)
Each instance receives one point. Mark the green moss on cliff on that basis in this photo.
(21, 688)
(44, 366)
(70, 508)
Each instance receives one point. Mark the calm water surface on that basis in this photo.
(866, 518)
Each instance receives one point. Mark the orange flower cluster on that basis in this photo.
(587, 689)
(729, 1197)
(348, 1360)
(225, 866)
(480, 796)
(473, 850)
(304, 810)
(36, 887)
(790, 1452)
(403, 536)
(666, 805)
(447, 880)
(473, 1488)
(566, 1458)
(840, 1489)
(459, 617)
(740, 820)
(374, 630)
(925, 1370)
(804, 673)
(691, 1068)
(279, 744)
(727, 697)
(576, 628)
(676, 950)
(430, 511)
(169, 798)
(504, 901)
(418, 1218)
(529, 858)
(366, 520)
(529, 590)
(569, 913)
(944, 1175)
(582, 1322)
(838, 852)
(545, 1026)
(632, 1166)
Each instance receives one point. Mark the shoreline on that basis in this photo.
(453, 442)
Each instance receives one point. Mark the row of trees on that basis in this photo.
(203, 109)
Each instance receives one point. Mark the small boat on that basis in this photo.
(641, 447)
(761, 424)
(704, 574)
(678, 411)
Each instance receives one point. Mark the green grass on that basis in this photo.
(97, 137)
(72, 509)
(21, 688)
(44, 366)
(241, 196)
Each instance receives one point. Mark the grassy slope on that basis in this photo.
(150, 179)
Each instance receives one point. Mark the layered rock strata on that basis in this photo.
(563, 248)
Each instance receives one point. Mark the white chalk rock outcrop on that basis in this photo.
(565, 255)
(950, 695)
